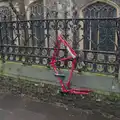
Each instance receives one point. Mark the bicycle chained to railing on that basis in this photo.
(56, 60)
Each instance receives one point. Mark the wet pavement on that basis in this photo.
(15, 108)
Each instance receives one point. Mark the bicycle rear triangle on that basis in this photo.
(65, 87)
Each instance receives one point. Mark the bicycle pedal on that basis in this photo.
(59, 75)
(62, 76)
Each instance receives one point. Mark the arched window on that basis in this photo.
(37, 13)
(100, 34)
(6, 16)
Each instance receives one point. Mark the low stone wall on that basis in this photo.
(108, 104)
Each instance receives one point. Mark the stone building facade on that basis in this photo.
(37, 9)
(82, 6)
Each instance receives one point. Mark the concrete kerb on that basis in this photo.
(97, 93)
(44, 67)
(44, 80)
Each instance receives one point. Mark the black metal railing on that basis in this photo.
(32, 41)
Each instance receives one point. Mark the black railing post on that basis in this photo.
(2, 45)
(65, 31)
(74, 29)
(2, 50)
(118, 49)
(118, 57)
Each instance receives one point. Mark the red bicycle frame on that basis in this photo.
(65, 87)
